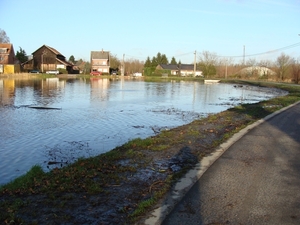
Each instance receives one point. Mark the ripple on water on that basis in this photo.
(96, 119)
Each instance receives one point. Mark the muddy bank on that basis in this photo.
(121, 186)
(137, 175)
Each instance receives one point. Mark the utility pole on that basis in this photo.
(226, 70)
(244, 56)
(195, 64)
(123, 67)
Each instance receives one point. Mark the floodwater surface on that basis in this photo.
(54, 121)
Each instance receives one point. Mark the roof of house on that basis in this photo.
(100, 54)
(51, 49)
(169, 66)
(7, 46)
(176, 67)
(64, 62)
(186, 66)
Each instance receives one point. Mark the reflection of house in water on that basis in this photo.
(51, 84)
(10, 88)
(99, 88)
(7, 92)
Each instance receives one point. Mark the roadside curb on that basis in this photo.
(161, 211)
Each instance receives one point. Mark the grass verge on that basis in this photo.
(131, 178)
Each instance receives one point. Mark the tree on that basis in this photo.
(207, 63)
(133, 66)
(148, 62)
(158, 58)
(72, 59)
(3, 37)
(225, 66)
(154, 62)
(21, 55)
(296, 71)
(173, 61)
(283, 62)
(265, 63)
(251, 62)
(164, 59)
(86, 67)
(115, 63)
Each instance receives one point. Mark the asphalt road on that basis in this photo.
(256, 180)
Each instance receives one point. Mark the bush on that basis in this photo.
(148, 71)
(62, 71)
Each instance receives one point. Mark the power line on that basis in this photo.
(263, 53)
(189, 53)
(134, 57)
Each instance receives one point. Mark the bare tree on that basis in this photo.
(252, 69)
(283, 62)
(225, 66)
(208, 62)
(296, 71)
(133, 66)
(3, 37)
(251, 62)
(265, 63)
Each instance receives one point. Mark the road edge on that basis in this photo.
(156, 216)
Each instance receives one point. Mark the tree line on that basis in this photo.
(284, 67)
(211, 65)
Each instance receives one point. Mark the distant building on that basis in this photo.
(7, 54)
(100, 61)
(180, 69)
(8, 61)
(47, 58)
(257, 71)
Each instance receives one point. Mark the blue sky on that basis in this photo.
(139, 29)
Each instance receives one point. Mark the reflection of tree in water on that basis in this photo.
(65, 153)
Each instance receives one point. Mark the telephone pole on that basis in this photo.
(244, 56)
(195, 64)
(122, 69)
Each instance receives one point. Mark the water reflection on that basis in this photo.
(98, 115)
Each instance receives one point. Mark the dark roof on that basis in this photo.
(99, 55)
(176, 67)
(51, 49)
(187, 67)
(169, 66)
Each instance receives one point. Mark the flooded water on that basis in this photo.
(46, 121)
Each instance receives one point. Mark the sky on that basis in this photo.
(137, 29)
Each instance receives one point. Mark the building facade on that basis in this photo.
(100, 61)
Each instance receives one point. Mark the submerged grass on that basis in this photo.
(96, 175)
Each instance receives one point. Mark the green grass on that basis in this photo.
(25, 181)
(93, 174)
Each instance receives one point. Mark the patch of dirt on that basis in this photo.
(186, 145)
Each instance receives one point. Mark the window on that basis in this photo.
(3, 50)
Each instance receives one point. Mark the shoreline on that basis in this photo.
(137, 174)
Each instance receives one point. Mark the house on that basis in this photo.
(180, 69)
(47, 58)
(8, 62)
(7, 54)
(100, 61)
